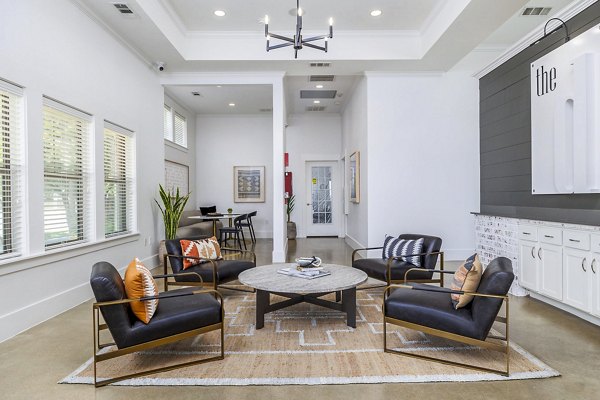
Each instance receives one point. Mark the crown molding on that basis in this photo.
(565, 14)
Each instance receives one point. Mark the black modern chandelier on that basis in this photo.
(297, 41)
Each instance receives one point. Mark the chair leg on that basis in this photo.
(243, 239)
(252, 233)
(239, 242)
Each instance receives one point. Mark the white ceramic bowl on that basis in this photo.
(308, 261)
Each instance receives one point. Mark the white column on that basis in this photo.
(279, 224)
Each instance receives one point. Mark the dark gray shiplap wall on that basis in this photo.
(505, 133)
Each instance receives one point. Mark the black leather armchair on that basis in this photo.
(213, 272)
(180, 314)
(429, 309)
(393, 269)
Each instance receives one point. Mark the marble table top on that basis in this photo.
(215, 217)
(267, 278)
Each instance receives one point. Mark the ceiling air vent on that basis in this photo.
(320, 64)
(318, 94)
(315, 108)
(533, 11)
(266, 110)
(196, 94)
(321, 78)
(123, 8)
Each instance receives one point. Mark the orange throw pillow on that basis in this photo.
(208, 249)
(466, 279)
(140, 283)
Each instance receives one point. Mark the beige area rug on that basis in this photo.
(310, 345)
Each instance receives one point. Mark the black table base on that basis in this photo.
(347, 305)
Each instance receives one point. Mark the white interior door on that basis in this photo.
(323, 201)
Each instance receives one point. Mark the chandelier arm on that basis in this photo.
(314, 46)
(278, 46)
(314, 38)
(286, 39)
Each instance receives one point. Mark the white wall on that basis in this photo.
(182, 155)
(355, 133)
(53, 49)
(311, 138)
(227, 141)
(423, 163)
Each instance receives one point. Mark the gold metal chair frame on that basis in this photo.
(97, 326)
(212, 284)
(503, 346)
(391, 281)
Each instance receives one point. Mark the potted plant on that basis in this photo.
(171, 208)
(291, 226)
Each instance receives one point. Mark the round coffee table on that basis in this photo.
(266, 280)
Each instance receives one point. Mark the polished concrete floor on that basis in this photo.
(32, 362)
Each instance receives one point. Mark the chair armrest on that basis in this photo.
(441, 271)
(164, 295)
(391, 259)
(212, 262)
(242, 251)
(366, 248)
(443, 290)
(180, 274)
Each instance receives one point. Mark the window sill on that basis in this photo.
(16, 264)
(176, 146)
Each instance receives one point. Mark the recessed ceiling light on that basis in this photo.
(319, 86)
(219, 13)
(375, 13)
(316, 102)
(219, 86)
(231, 104)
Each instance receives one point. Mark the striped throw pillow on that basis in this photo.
(208, 249)
(466, 278)
(394, 247)
(140, 283)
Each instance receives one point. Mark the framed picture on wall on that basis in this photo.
(354, 184)
(249, 184)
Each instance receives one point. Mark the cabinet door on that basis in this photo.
(529, 265)
(595, 267)
(550, 267)
(577, 282)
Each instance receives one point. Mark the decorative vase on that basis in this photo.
(291, 230)
(229, 210)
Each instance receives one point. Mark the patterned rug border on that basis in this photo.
(546, 372)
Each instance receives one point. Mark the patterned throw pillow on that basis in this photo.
(466, 278)
(205, 248)
(140, 283)
(393, 247)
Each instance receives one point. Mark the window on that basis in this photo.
(180, 130)
(175, 127)
(11, 168)
(67, 189)
(119, 180)
(168, 123)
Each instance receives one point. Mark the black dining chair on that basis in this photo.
(234, 232)
(248, 224)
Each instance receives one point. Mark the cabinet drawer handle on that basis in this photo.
(532, 249)
(583, 264)
(539, 255)
(549, 236)
(574, 240)
(526, 233)
(593, 263)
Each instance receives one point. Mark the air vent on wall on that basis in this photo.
(320, 64)
(318, 94)
(315, 108)
(321, 78)
(196, 94)
(533, 11)
(123, 8)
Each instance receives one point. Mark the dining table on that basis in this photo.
(215, 217)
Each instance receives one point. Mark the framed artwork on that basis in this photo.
(177, 176)
(354, 185)
(249, 184)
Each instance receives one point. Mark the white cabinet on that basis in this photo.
(540, 255)
(551, 270)
(595, 267)
(577, 279)
(529, 268)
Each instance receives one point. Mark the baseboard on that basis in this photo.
(565, 307)
(33, 314)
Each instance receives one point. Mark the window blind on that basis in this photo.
(168, 123)
(179, 131)
(119, 181)
(11, 169)
(67, 189)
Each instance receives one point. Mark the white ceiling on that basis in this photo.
(410, 35)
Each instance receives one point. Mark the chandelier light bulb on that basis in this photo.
(330, 21)
(266, 20)
(300, 12)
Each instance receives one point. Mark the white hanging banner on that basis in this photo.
(565, 117)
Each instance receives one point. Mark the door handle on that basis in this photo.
(308, 204)
(539, 255)
(532, 249)
(583, 264)
(593, 262)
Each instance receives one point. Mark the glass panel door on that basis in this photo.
(321, 193)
